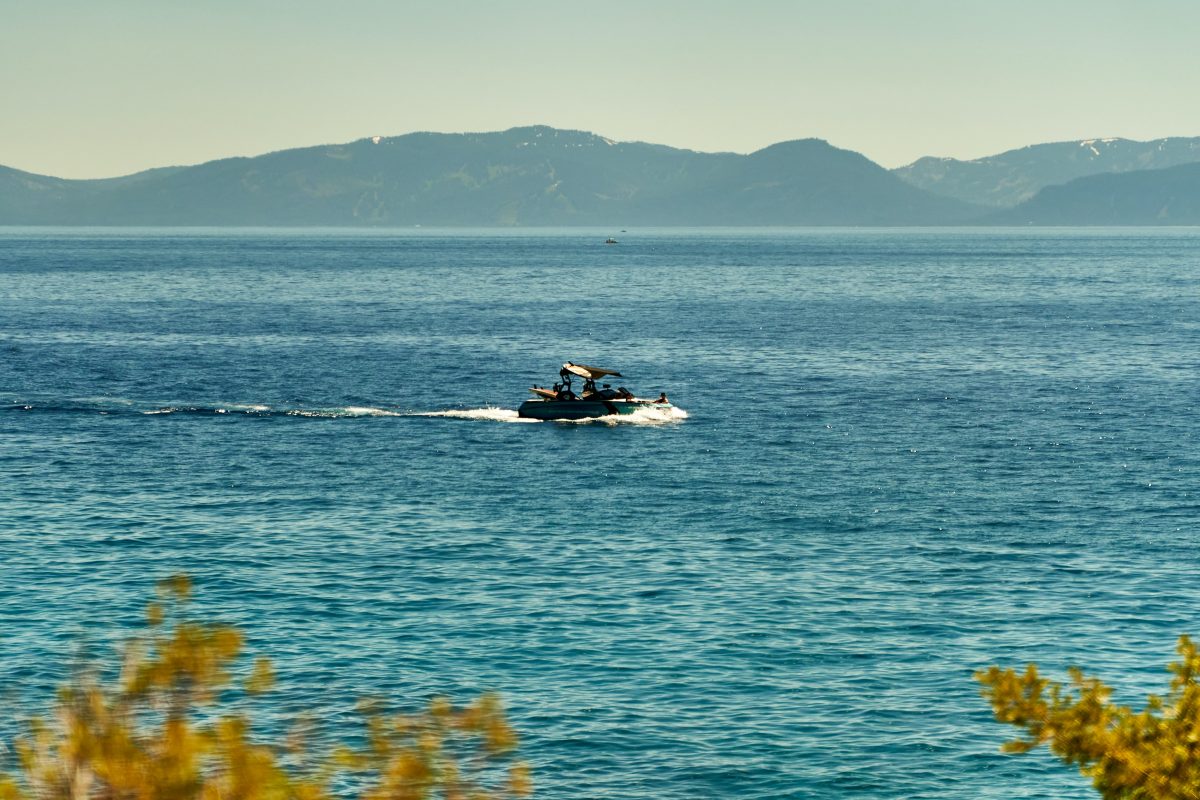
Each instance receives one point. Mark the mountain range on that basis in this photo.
(1010, 178)
(542, 176)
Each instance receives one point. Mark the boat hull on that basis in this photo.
(584, 409)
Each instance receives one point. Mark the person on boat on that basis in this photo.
(624, 393)
(562, 390)
(662, 398)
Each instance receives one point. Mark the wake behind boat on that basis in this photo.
(561, 401)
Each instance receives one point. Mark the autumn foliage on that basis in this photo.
(1153, 754)
(157, 732)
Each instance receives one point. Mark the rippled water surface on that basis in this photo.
(906, 455)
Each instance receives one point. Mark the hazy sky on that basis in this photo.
(91, 89)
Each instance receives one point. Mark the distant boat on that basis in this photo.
(610, 240)
(562, 403)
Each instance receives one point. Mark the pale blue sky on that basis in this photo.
(91, 89)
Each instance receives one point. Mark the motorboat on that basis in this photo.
(561, 401)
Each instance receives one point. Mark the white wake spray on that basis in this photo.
(643, 416)
(648, 415)
(490, 414)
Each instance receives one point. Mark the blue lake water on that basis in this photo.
(907, 455)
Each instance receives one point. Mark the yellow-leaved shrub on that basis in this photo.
(1152, 754)
(157, 732)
